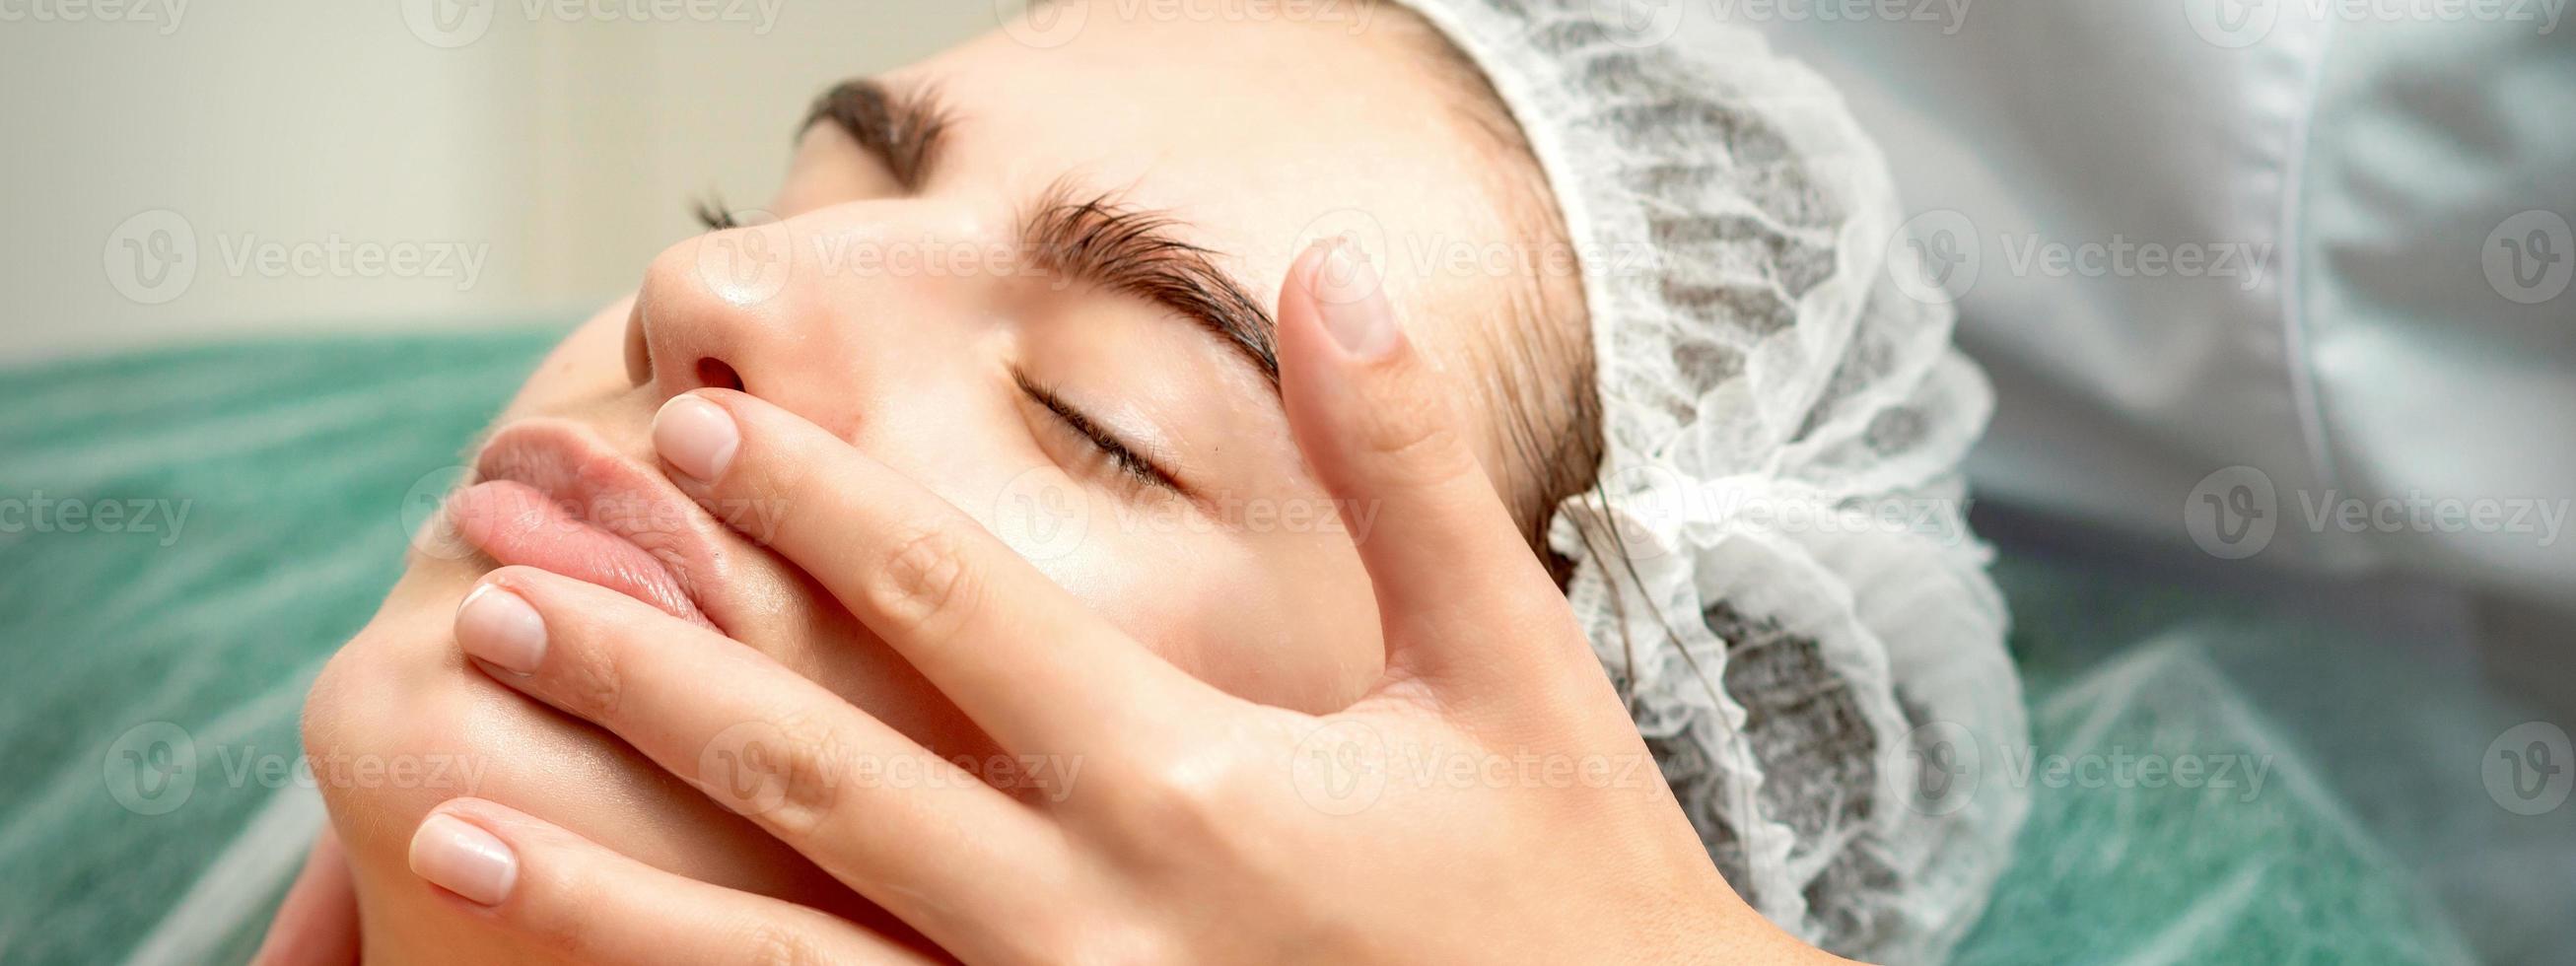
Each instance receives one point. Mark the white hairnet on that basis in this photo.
(1776, 567)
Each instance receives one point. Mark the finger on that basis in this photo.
(1373, 420)
(1024, 658)
(317, 925)
(576, 898)
(913, 832)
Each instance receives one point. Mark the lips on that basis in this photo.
(551, 496)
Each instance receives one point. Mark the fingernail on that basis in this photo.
(456, 856)
(1355, 310)
(502, 629)
(697, 437)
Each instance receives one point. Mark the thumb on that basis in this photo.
(1455, 580)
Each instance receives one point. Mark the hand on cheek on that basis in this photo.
(1199, 827)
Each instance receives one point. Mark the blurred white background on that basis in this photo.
(335, 165)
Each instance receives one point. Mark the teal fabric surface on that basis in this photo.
(2258, 864)
(155, 677)
(291, 462)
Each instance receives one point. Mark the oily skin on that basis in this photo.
(1251, 134)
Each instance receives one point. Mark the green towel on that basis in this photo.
(283, 468)
(264, 493)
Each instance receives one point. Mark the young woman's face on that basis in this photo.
(1064, 373)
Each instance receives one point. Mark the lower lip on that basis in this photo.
(519, 525)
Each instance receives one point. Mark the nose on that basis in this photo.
(803, 312)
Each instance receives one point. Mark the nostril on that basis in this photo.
(713, 373)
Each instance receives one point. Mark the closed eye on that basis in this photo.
(1131, 464)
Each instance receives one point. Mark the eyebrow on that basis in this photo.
(1090, 238)
(1099, 240)
(904, 127)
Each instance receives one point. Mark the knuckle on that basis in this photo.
(807, 765)
(769, 942)
(1413, 437)
(781, 469)
(557, 899)
(1105, 941)
(1186, 804)
(928, 582)
(588, 678)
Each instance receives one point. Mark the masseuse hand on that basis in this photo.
(1488, 800)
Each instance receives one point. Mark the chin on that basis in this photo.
(397, 694)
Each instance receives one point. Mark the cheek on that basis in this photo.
(587, 364)
(398, 697)
(1281, 619)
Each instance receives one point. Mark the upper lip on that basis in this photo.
(571, 466)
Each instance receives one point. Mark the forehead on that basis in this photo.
(1260, 136)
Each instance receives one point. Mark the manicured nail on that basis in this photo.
(456, 856)
(499, 627)
(1348, 293)
(697, 437)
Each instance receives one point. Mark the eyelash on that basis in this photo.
(713, 214)
(1133, 468)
